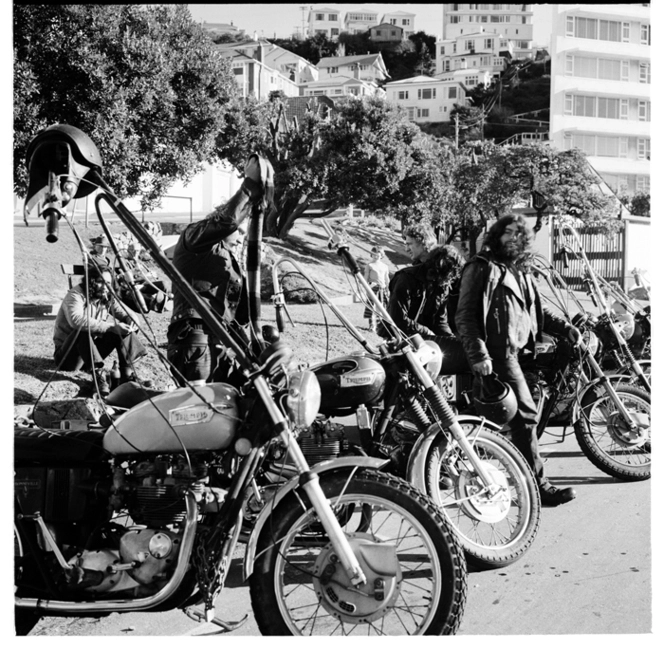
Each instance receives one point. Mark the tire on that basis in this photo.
(287, 593)
(25, 620)
(493, 531)
(606, 443)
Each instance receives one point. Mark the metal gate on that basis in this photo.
(605, 252)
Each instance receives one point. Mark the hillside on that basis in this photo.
(317, 334)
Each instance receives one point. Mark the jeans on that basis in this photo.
(81, 350)
(523, 428)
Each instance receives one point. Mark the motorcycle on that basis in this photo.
(385, 403)
(141, 507)
(610, 417)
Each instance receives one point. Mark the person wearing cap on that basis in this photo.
(99, 251)
(207, 255)
(90, 325)
(499, 317)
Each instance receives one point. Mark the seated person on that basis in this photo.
(83, 338)
(421, 297)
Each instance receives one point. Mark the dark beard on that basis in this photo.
(508, 252)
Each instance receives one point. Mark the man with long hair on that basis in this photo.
(499, 318)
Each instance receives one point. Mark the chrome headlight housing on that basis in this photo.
(591, 341)
(303, 398)
(431, 357)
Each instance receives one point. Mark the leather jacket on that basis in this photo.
(485, 318)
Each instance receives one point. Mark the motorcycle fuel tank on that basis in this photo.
(173, 419)
(348, 382)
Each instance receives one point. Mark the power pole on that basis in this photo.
(456, 131)
(303, 8)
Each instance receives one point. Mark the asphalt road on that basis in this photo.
(588, 571)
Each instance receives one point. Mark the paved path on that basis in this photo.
(588, 572)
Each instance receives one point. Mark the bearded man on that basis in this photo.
(499, 318)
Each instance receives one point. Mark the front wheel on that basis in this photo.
(495, 529)
(415, 568)
(606, 439)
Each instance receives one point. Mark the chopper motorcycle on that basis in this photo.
(385, 403)
(610, 416)
(143, 511)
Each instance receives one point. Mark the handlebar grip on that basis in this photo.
(52, 217)
(280, 318)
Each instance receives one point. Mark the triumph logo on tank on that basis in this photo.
(358, 379)
(198, 414)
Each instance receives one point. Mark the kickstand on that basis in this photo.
(199, 616)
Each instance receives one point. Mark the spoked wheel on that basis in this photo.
(415, 568)
(608, 441)
(495, 529)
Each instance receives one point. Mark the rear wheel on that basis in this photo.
(607, 440)
(494, 529)
(415, 569)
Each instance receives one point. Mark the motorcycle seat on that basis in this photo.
(54, 447)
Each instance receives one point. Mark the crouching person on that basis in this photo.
(84, 337)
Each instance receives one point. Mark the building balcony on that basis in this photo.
(615, 50)
(620, 165)
(601, 87)
(599, 126)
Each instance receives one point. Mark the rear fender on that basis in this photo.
(416, 471)
(337, 464)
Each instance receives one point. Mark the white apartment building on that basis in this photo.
(479, 50)
(359, 21)
(468, 77)
(514, 22)
(402, 19)
(426, 99)
(368, 67)
(324, 20)
(600, 89)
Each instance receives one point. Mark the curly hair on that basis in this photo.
(444, 265)
(523, 240)
(423, 233)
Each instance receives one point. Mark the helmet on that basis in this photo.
(497, 401)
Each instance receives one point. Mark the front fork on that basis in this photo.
(448, 420)
(311, 485)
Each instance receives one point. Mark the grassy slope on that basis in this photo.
(38, 279)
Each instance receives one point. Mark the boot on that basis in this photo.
(101, 380)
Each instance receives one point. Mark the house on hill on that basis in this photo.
(403, 19)
(324, 20)
(386, 33)
(342, 86)
(358, 21)
(426, 99)
(368, 67)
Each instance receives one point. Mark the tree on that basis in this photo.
(365, 152)
(489, 179)
(144, 82)
(638, 204)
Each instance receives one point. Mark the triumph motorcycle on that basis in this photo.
(385, 403)
(141, 508)
(609, 415)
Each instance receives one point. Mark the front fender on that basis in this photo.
(582, 397)
(416, 470)
(320, 468)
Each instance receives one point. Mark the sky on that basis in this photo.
(282, 19)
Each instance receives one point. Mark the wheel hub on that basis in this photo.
(477, 502)
(371, 600)
(625, 436)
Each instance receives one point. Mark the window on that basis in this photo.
(446, 66)
(442, 50)
(379, 32)
(338, 91)
(488, 43)
(238, 71)
(454, 48)
(470, 46)
(644, 111)
(454, 20)
(451, 93)
(403, 94)
(393, 32)
(645, 34)
(644, 73)
(624, 109)
(333, 70)
(643, 184)
(405, 22)
(320, 16)
(625, 32)
(472, 81)
(393, 21)
(411, 113)
(603, 107)
(603, 30)
(334, 31)
(423, 112)
(643, 148)
(333, 17)
(426, 93)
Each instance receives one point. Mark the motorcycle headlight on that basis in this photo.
(303, 398)
(625, 324)
(592, 342)
(431, 357)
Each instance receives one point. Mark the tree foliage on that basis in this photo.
(489, 180)
(143, 81)
(365, 153)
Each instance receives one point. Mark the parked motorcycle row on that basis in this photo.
(358, 487)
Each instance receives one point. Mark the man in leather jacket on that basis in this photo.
(499, 317)
(205, 256)
(419, 301)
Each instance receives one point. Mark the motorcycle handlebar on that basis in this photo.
(52, 216)
(281, 325)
